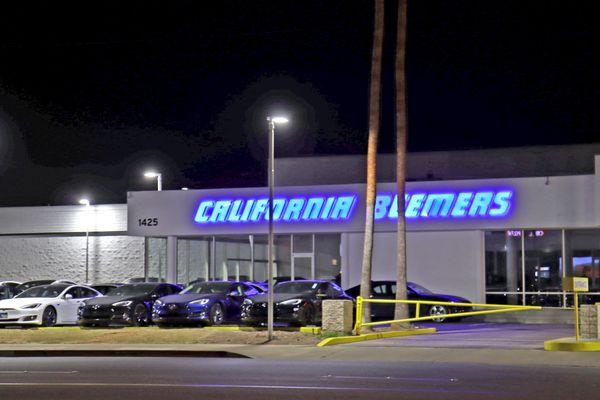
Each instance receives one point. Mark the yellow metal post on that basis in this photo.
(418, 310)
(576, 295)
(358, 321)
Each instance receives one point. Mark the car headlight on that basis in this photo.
(31, 306)
(292, 302)
(200, 302)
(158, 303)
(247, 302)
(122, 303)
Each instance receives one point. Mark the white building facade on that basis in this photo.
(501, 239)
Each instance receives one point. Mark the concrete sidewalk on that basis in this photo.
(467, 335)
(484, 343)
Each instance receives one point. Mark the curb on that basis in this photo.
(570, 344)
(120, 353)
(374, 336)
(315, 330)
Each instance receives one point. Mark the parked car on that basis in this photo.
(279, 279)
(386, 290)
(29, 284)
(295, 302)
(126, 305)
(45, 305)
(8, 289)
(141, 279)
(262, 287)
(207, 303)
(104, 288)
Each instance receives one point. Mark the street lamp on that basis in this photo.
(86, 203)
(272, 122)
(158, 176)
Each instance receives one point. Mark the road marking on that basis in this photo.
(39, 372)
(227, 386)
(389, 378)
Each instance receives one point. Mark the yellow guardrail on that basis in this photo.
(493, 309)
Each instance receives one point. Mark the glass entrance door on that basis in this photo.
(303, 257)
(302, 267)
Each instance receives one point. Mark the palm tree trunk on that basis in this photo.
(401, 310)
(374, 116)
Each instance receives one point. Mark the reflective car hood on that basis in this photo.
(187, 297)
(104, 300)
(20, 302)
(279, 297)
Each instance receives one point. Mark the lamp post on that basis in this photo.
(158, 176)
(272, 122)
(86, 203)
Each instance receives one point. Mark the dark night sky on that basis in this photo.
(92, 93)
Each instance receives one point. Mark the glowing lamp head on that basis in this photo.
(279, 120)
(151, 174)
(84, 202)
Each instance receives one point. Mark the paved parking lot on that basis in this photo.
(479, 335)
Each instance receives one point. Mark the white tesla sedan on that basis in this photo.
(46, 305)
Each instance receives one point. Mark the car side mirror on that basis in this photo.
(234, 293)
(154, 296)
(68, 296)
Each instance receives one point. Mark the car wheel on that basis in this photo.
(436, 310)
(49, 317)
(140, 315)
(217, 316)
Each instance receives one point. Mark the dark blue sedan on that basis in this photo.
(386, 290)
(204, 303)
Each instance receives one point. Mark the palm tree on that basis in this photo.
(401, 309)
(374, 116)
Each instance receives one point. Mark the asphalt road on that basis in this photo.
(228, 378)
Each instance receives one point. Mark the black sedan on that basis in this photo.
(206, 303)
(386, 290)
(295, 302)
(104, 288)
(125, 305)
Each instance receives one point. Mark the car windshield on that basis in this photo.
(418, 288)
(296, 287)
(207, 288)
(131, 290)
(43, 291)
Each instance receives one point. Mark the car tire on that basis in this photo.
(307, 317)
(437, 310)
(49, 317)
(216, 314)
(140, 315)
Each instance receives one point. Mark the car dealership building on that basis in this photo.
(503, 225)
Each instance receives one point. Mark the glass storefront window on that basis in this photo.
(327, 257)
(156, 258)
(193, 260)
(543, 267)
(582, 249)
(548, 258)
(503, 276)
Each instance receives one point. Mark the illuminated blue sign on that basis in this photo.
(293, 209)
(298, 209)
(466, 204)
